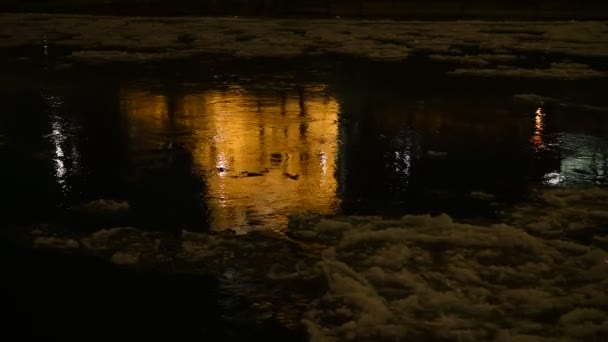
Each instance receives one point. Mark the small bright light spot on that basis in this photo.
(45, 46)
(221, 164)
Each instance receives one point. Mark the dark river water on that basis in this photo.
(240, 144)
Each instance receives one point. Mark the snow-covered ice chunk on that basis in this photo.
(55, 242)
(431, 278)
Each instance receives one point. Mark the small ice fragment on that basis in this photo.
(436, 154)
(55, 242)
(482, 196)
(125, 257)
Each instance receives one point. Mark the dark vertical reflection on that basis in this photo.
(25, 173)
(166, 191)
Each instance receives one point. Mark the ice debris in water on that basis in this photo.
(436, 154)
(122, 245)
(55, 242)
(430, 278)
(125, 257)
(566, 213)
(103, 207)
(482, 196)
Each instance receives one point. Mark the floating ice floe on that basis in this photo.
(482, 196)
(55, 242)
(537, 99)
(103, 207)
(436, 154)
(561, 71)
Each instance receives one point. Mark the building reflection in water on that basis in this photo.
(539, 128)
(261, 154)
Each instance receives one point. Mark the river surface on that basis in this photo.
(233, 146)
(219, 143)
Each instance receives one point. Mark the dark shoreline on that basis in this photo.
(361, 9)
(55, 294)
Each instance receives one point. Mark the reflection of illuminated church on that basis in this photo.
(248, 146)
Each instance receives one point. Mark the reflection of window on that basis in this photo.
(539, 127)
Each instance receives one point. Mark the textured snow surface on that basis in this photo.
(481, 48)
(543, 276)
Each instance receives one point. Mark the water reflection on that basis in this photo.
(261, 155)
(584, 160)
(539, 128)
(58, 138)
(244, 151)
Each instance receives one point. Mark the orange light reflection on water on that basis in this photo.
(539, 128)
(263, 155)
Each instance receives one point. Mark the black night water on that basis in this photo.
(224, 144)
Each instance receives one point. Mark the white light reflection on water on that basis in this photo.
(58, 138)
(45, 46)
